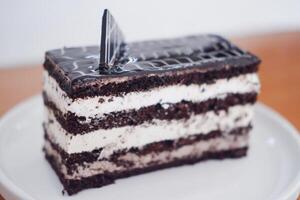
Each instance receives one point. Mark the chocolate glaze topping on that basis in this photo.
(72, 66)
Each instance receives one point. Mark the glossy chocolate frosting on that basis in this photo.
(148, 56)
(76, 67)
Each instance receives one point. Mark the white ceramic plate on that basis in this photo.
(270, 171)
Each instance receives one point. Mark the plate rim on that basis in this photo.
(10, 190)
(294, 188)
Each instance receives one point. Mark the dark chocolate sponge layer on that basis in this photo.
(182, 110)
(77, 69)
(75, 186)
(143, 83)
(72, 160)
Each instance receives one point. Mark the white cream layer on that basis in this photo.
(90, 107)
(194, 150)
(158, 130)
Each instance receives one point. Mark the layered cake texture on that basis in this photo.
(123, 109)
(164, 103)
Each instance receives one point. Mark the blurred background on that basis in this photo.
(268, 28)
(29, 28)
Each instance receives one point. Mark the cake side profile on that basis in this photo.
(123, 109)
(164, 103)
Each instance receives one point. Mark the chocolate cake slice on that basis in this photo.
(158, 104)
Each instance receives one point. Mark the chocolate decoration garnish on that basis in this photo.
(81, 64)
(112, 40)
